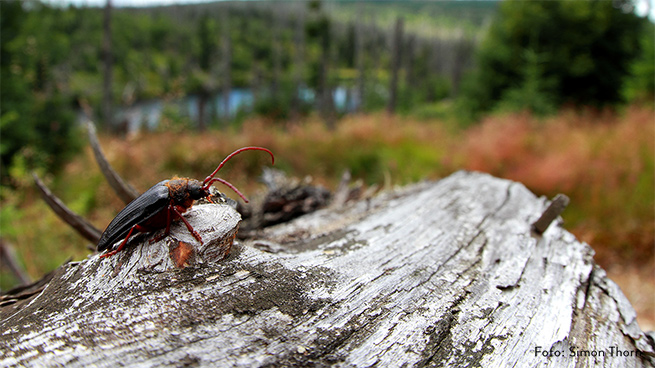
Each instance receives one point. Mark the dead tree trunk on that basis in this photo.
(107, 61)
(444, 273)
(396, 51)
(360, 57)
(299, 65)
(326, 101)
(226, 60)
(277, 56)
(409, 53)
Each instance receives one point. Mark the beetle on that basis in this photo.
(162, 204)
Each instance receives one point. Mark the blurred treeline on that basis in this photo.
(456, 60)
(53, 63)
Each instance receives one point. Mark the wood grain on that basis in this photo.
(443, 273)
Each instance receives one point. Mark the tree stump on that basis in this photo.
(445, 273)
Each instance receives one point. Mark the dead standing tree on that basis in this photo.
(396, 51)
(447, 273)
(226, 64)
(107, 61)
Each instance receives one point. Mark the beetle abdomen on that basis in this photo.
(140, 210)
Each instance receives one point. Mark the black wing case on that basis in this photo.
(136, 212)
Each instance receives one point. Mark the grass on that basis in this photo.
(603, 161)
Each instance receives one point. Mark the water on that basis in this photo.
(148, 114)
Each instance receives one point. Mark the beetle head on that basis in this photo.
(196, 190)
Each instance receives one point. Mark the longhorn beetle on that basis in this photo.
(160, 205)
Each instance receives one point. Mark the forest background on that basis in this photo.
(557, 95)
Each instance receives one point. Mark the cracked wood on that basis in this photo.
(444, 273)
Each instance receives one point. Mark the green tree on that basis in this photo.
(35, 117)
(581, 49)
(640, 85)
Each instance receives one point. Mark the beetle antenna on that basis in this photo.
(210, 179)
(229, 185)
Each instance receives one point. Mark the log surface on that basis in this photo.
(445, 273)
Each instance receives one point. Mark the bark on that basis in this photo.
(445, 273)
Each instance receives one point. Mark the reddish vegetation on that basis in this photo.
(603, 161)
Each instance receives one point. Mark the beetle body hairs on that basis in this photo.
(162, 204)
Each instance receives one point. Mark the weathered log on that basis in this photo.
(445, 273)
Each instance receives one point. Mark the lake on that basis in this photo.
(148, 114)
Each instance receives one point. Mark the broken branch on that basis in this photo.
(555, 208)
(122, 188)
(76, 221)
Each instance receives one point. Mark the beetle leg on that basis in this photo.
(168, 225)
(172, 208)
(188, 226)
(120, 247)
(168, 218)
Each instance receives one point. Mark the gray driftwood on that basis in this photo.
(445, 273)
